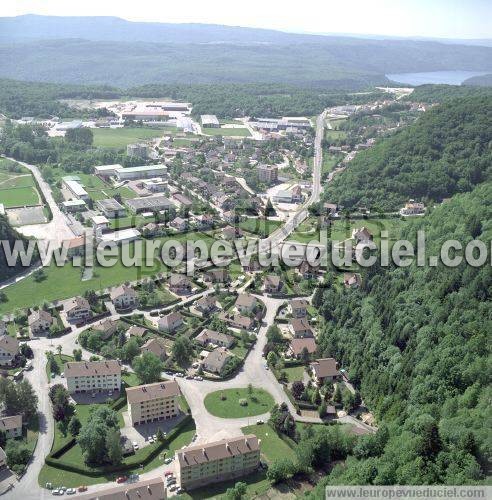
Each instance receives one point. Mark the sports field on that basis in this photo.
(120, 137)
(17, 187)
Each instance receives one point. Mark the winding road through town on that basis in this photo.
(254, 370)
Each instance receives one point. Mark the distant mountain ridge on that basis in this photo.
(110, 50)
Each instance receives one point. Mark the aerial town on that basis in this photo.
(143, 359)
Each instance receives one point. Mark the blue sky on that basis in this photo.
(427, 18)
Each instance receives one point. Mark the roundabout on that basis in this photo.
(239, 402)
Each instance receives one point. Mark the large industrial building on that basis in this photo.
(155, 111)
(75, 188)
(149, 204)
(130, 173)
(218, 461)
(210, 121)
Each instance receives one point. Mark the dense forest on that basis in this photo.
(432, 93)
(416, 341)
(447, 151)
(479, 81)
(43, 100)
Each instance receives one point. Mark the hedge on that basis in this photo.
(129, 465)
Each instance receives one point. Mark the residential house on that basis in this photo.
(153, 402)
(413, 208)
(300, 328)
(9, 349)
(3, 459)
(204, 221)
(331, 208)
(216, 360)
(40, 321)
(92, 376)
(124, 297)
(179, 224)
(207, 337)
(298, 346)
(246, 303)
(229, 216)
(136, 331)
(325, 369)
(362, 235)
(12, 426)
(180, 284)
(298, 308)
(107, 327)
(206, 304)
(231, 233)
(272, 284)
(171, 322)
(219, 461)
(216, 276)
(238, 321)
(307, 270)
(352, 280)
(78, 309)
(155, 346)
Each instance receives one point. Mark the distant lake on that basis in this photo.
(447, 77)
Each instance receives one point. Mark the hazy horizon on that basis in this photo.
(452, 19)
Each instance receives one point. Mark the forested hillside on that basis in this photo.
(118, 52)
(432, 93)
(416, 340)
(447, 151)
(7, 233)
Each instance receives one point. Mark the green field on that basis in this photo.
(121, 137)
(60, 361)
(342, 229)
(294, 373)
(227, 132)
(329, 162)
(308, 231)
(272, 447)
(262, 227)
(17, 188)
(259, 402)
(19, 196)
(64, 282)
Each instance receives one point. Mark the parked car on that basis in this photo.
(260, 422)
(151, 439)
(48, 486)
(179, 374)
(173, 488)
(57, 492)
(189, 377)
(71, 491)
(133, 477)
(168, 473)
(81, 489)
(198, 377)
(180, 490)
(154, 436)
(168, 461)
(121, 479)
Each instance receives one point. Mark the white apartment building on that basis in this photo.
(153, 402)
(218, 461)
(93, 376)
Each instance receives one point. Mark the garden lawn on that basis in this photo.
(259, 402)
(272, 447)
(308, 231)
(60, 361)
(294, 373)
(260, 226)
(121, 137)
